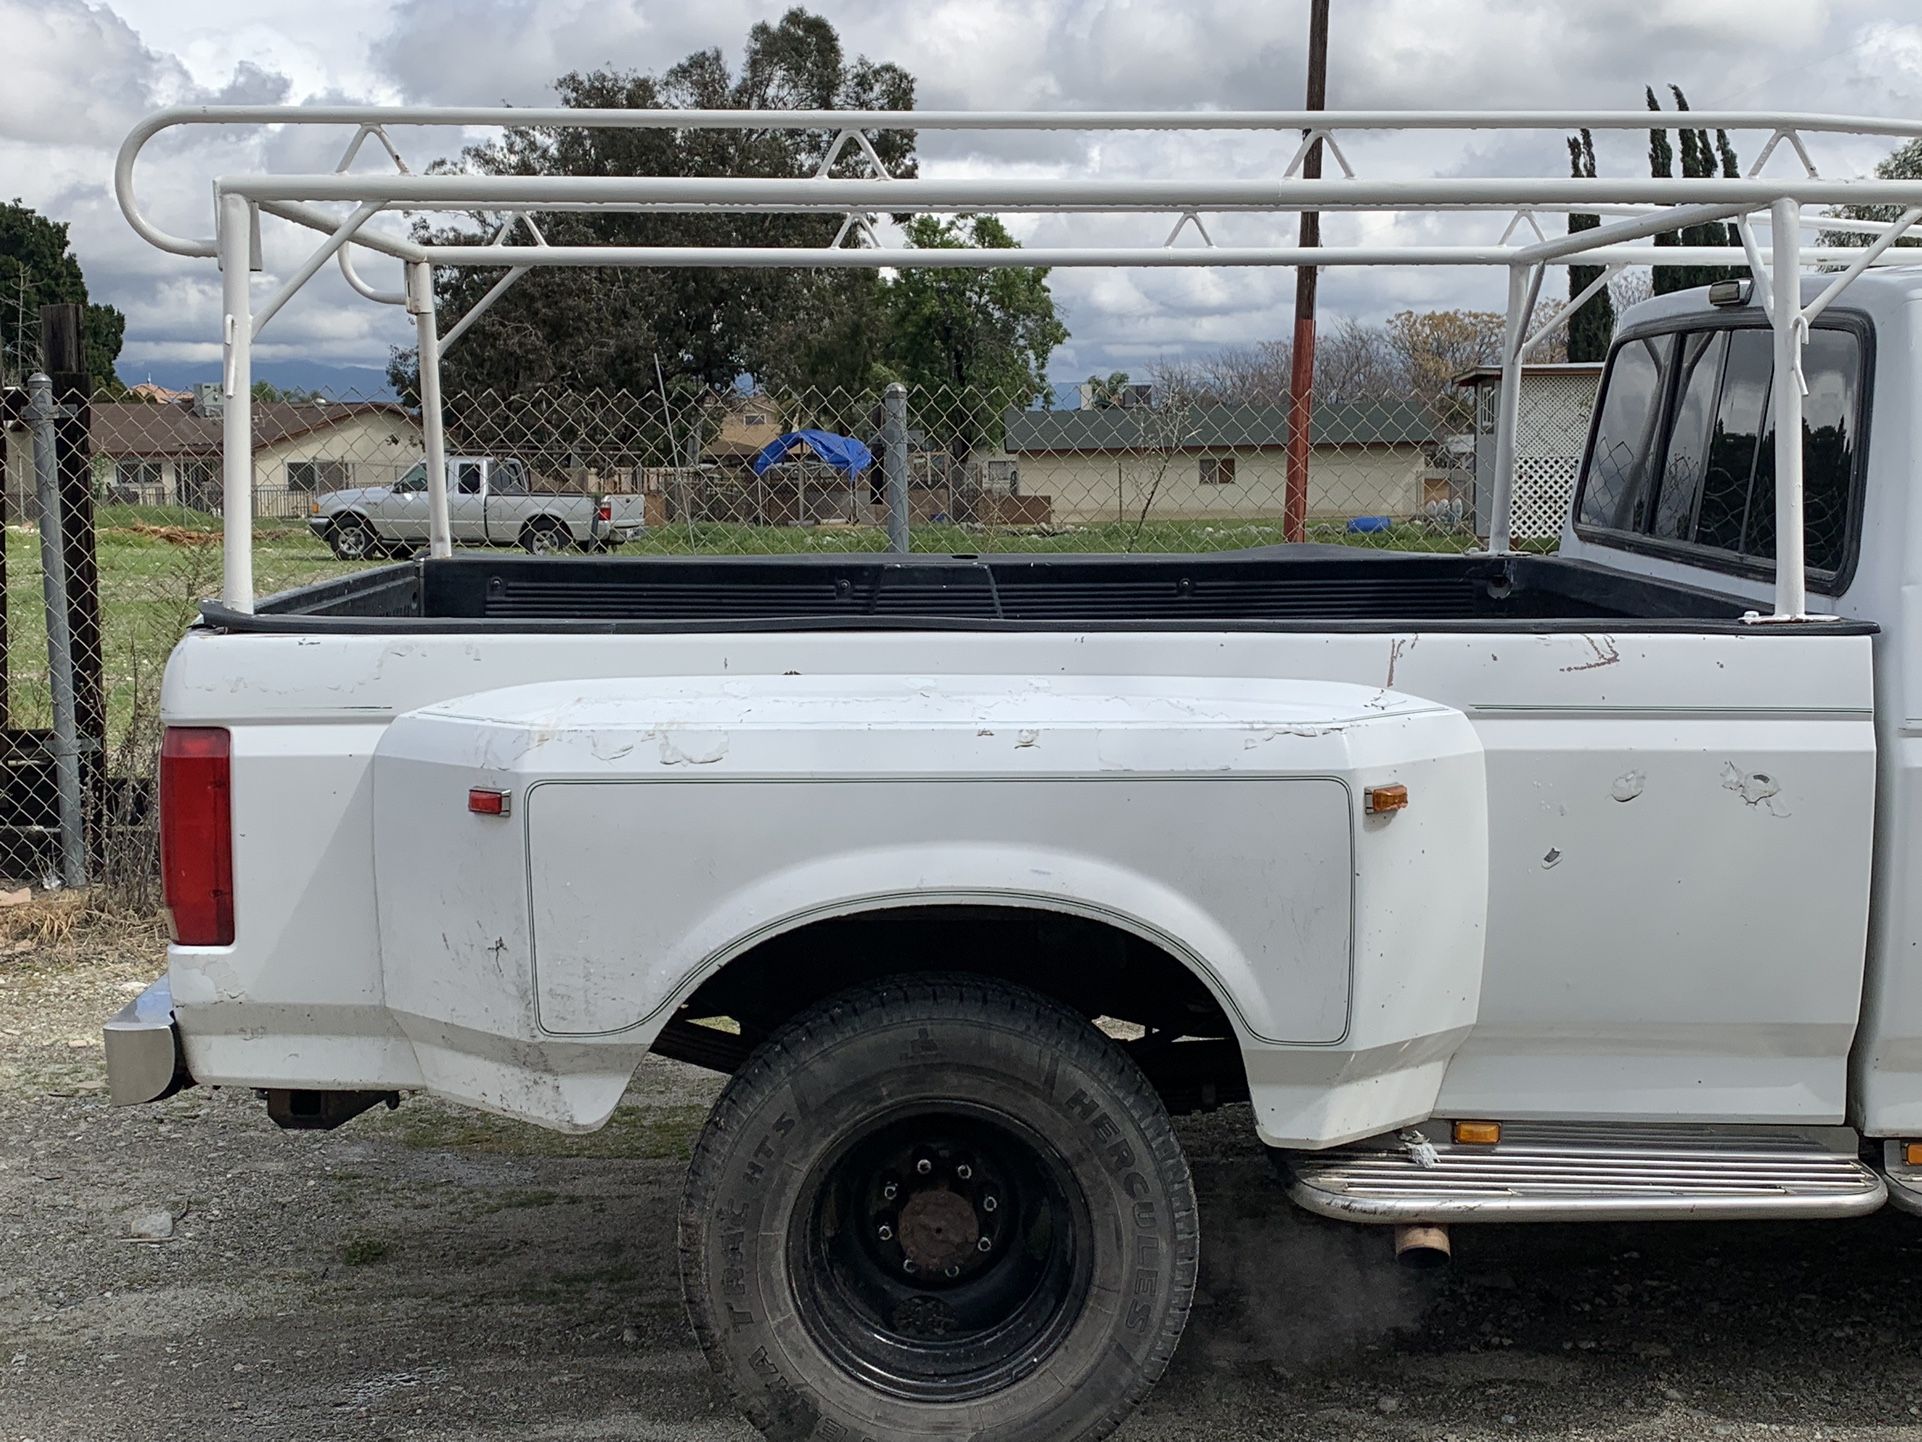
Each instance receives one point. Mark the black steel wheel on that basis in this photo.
(939, 1206)
(945, 1247)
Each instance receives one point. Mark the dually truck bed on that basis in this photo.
(1298, 587)
(1646, 754)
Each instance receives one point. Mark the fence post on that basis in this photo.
(894, 462)
(63, 355)
(43, 415)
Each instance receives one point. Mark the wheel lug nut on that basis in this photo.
(985, 1244)
(924, 1166)
(886, 1233)
(907, 1264)
(890, 1192)
(988, 1204)
(954, 1271)
(964, 1171)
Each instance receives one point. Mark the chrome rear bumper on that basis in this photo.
(144, 1062)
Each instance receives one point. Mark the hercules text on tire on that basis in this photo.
(938, 1206)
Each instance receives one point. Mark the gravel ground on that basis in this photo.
(430, 1274)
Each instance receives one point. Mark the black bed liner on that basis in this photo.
(1309, 587)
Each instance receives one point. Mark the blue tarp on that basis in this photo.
(844, 453)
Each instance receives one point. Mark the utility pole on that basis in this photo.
(1301, 377)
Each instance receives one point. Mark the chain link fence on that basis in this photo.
(1138, 469)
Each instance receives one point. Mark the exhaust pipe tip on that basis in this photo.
(1422, 1247)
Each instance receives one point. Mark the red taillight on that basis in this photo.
(605, 512)
(197, 834)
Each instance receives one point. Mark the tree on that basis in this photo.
(1631, 287)
(1413, 355)
(970, 342)
(37, 267)
(582, 329)
(286, 395)
(1903, 163)
(1591, 327)
(1106, 392)
(1434, 347)
(1700, 160)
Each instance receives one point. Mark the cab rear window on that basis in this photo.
(1683, 453)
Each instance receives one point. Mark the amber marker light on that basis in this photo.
(1381, 800)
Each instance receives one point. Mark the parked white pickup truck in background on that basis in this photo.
(489, 503)
(1503, 886)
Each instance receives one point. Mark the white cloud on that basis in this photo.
(61, 51)
(128, 56)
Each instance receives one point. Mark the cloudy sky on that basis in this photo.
(125, 57)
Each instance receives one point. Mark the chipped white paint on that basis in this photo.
(1756, 788)
(1628, 785)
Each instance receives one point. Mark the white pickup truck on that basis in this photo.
(1505, 887)
(489, 503)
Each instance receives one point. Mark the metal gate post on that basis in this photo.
(53, 589)
(894, 463)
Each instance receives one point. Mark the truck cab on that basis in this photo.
(1678, 487)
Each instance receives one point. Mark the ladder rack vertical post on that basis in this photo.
(1791, 330)
(236, 405)
(1523, 282)
(420, 304)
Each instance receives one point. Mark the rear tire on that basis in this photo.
(544, 538)
(938, 1206)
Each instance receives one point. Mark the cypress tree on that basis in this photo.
(1590, 328)
(1700, 161)
(1661, 165)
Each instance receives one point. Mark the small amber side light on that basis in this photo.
(1378, 800)
(1912, 1154)
(1477, 1134)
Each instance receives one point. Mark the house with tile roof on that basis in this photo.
(168, 453)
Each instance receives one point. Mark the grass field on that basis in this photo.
(150, 587)
(1227, 534)
(157, 563)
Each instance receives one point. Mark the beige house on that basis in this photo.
(1199, 461)
(169, 454)
(749, 423)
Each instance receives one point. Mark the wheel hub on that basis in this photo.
(938, 1229)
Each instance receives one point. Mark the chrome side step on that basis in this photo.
(1553, 1171)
